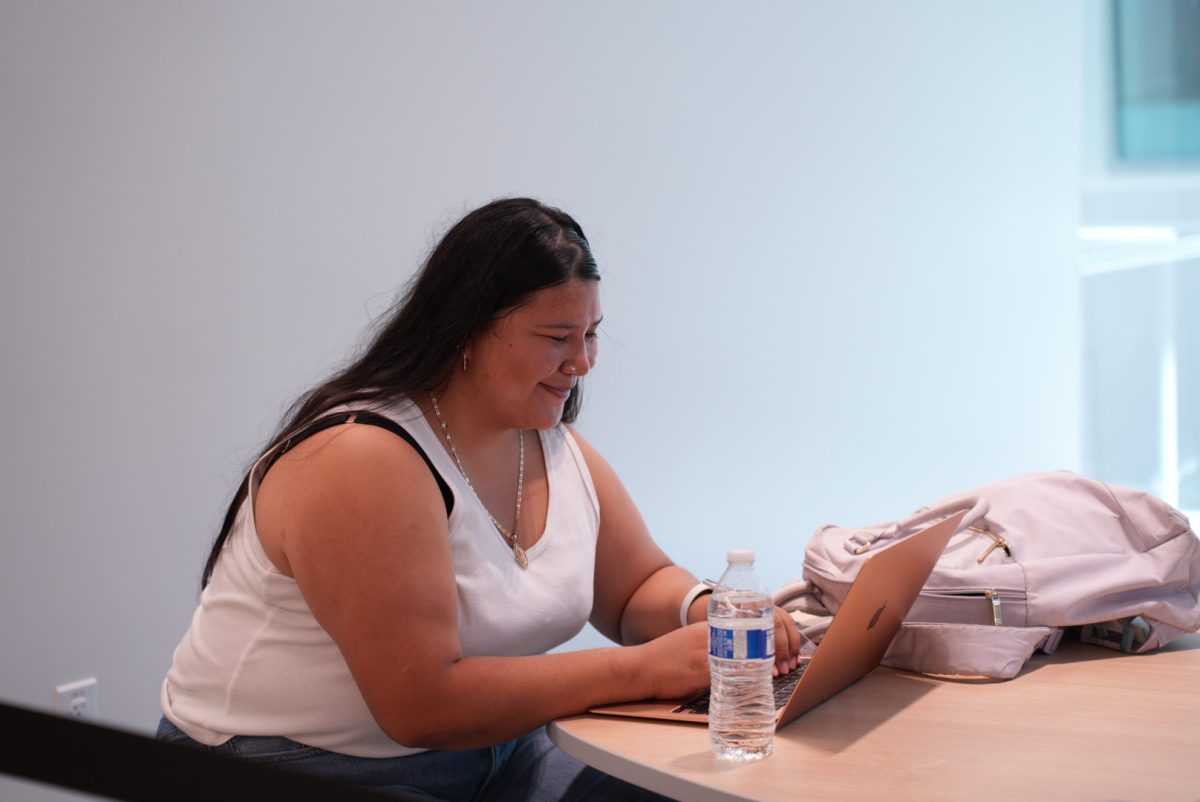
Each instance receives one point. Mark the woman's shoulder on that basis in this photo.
(574, 438)
(368, 430)
(350, 479)
(348, 456)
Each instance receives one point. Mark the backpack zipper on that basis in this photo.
(994, 597)
(997, 543)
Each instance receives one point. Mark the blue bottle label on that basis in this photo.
(741, 644)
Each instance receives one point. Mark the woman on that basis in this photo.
(379, 602)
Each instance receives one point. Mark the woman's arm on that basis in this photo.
(638, 589)
(355, 516)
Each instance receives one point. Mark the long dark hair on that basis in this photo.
(486, 265)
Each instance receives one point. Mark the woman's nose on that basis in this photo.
(579, 361)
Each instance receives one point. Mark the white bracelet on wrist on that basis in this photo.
(699, 590)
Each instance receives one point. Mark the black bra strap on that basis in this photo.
(371, 419)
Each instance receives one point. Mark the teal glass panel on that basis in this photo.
(1157, 53)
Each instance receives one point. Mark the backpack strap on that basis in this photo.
(370, 419)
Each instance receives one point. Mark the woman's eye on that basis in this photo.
(563, 338)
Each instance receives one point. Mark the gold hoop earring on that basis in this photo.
(464, 353)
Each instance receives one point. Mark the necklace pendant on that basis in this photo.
(519, 554)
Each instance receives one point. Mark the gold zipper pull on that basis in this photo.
(995, 599)
(997, 543)
(987, 552)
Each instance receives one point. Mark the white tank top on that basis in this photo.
(255, 662)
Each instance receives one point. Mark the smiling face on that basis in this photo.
(524, 365)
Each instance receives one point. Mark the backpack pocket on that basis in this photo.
(990, 606)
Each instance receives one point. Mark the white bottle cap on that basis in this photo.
(740, 556)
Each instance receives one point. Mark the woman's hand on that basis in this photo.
(787, 643)
(676, 664)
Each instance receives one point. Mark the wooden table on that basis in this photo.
(1085, 723)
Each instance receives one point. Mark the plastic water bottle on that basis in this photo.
(741, 627)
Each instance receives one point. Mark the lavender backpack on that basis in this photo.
(1037, 553)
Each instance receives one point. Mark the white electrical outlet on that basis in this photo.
(78, 699)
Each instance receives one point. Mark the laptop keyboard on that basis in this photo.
(782, 687)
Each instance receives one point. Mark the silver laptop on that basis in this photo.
(855, 642)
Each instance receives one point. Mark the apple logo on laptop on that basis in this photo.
(875, 618)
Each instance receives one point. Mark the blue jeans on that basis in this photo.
(529, 768)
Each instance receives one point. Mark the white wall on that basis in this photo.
(838, 244)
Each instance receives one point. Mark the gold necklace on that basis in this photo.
(509, 537)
